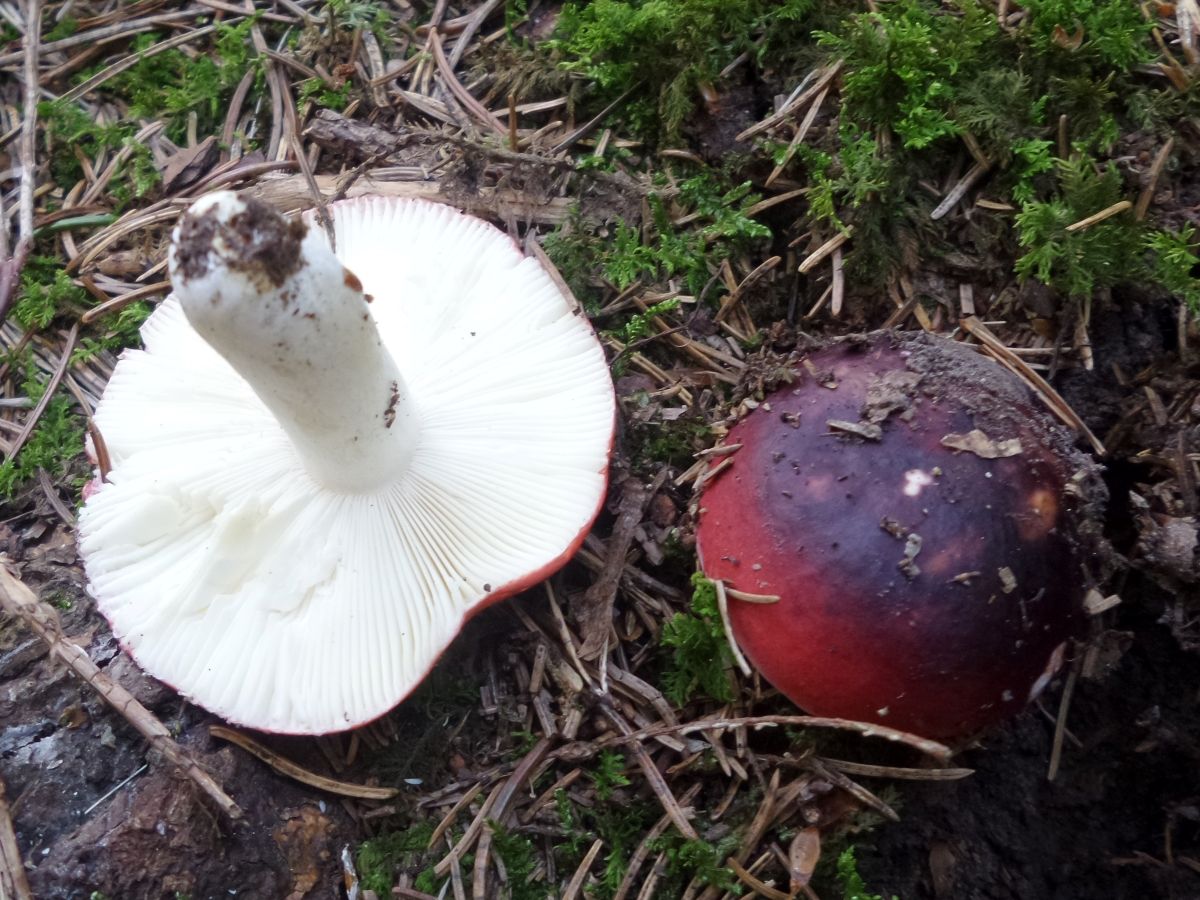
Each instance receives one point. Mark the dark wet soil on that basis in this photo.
(1121, 820)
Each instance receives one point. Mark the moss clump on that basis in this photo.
(380, 858)
(666, 50)
(55, 443)
(171, 85)
(701, 658)
(853, 886)
(519, 856)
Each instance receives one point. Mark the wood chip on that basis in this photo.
(1096, 603)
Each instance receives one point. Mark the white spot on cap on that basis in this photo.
(915, 480)
(882, 711)
(1007, 696)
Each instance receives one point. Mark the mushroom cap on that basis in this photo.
(922, 587)
(278, 603)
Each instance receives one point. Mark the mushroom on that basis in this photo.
(293, 530)
(916, 532)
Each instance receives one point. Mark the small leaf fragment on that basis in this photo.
(981, 445)
(803, 855)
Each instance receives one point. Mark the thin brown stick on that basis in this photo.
(13, 883)
(823, 251)
(799, 136)
(1060, 724)
(581, 872)
(108, 32)
(482, 858)
(448, 862)
(738, 292)
(19, 601)
(286, 767)
(866, 729)
(1041, 387)
(120, 302)
(469, 103)
(756, 830)
(594, 612)
(853, 788)
(755, 884)
(517, 779)
(654, 777)
(957, 192)
(642, 853)
(1095, 218)
(28, 145)
(1156, 168)
(778, 118)
(898, 772)
(472, 25)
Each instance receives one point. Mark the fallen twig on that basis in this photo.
(594, 614)
(1041, 387)
(866, 729)
(13, 883)
(287, 767)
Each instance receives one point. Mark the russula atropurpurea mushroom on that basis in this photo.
(323, 464)
(926, 526)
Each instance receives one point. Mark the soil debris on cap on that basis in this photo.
(258, 242)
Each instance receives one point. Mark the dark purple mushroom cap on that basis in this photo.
(918, 514)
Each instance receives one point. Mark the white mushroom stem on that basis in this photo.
(274, 301)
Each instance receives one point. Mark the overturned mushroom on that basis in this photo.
(322, 465)
(925, 525)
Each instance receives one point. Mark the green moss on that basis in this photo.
(380, 858)
(519, 856)
(904, 66)
(119, 330)
(701, 860)
(323, 95)
(673, 442)
(69, 129)
(352, 15)
(1174, 264)
(622, 829)
(55, 442)
(641, 324)
(608, 774)
(64, 28)
(667, 49)
(701, 658)
(1078, 262)
(60, 600)
(1109, 32)
(171, 85)
(46, 292)
(853, 886)
(575, 837)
